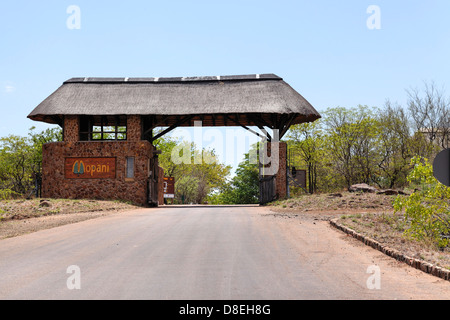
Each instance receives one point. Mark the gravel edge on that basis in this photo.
(399, 256)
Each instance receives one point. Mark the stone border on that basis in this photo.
(415, 263)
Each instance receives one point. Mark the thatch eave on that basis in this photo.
(250, 100)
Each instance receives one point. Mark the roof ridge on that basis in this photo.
(109, 80)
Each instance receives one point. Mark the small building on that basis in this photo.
(108, 123)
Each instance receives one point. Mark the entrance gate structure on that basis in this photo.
(108, 130)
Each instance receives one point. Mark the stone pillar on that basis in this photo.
(276, 165)
(160, 185)
(134, 128)
(71, 128)
(281, 178)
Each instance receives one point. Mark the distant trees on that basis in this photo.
(395, 146)
(197, 172)
(243, 187)
(307, 138)
(21, 159)
(372, 145)
(430, 112)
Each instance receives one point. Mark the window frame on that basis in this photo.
(109, 125)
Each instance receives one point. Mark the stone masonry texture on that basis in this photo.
(280, 163)
(55, 185)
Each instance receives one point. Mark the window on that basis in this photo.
(101, 128)
(130, 167)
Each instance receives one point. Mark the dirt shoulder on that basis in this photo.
(369, 214)
(18, 217)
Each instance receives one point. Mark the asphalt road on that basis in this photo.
(204, 253)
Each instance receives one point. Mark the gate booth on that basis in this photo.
(115, 118)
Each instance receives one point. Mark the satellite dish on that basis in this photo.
(441, 167)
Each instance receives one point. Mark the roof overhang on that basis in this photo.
(243, 100)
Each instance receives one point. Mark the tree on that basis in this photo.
(15, 164)
(243, 187)
(197, 173)
(21, 159)
(395, 146)
(352, 142)
(430, 110)
(186, 189)
(307, 138)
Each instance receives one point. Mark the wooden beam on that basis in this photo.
(176, 124)
(259, 124)
(262, 120)
(246, 128)
(58, 120)
(287, 126)
(154, 124)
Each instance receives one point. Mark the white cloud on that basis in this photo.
(9, 88)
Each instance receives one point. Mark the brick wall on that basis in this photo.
(55, 185)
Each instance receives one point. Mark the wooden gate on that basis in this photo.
(266, 189)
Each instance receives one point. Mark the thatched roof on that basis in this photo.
(254, 100)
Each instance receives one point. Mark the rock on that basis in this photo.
(391, 192)
(388, 192)
(362, 187)
(335, 195)
(45, 204)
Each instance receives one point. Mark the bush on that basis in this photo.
(427, 209)
(8, 194)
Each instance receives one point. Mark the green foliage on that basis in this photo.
(243, 187)
(352, 140)
(428, 208)
(21, 159)
(358, 145)
(8, 194)
(308, 140)
(197, 173)
(186, 189)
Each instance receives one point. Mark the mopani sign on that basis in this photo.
(90, 168)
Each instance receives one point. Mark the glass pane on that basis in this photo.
(109, 136)
(130, 167)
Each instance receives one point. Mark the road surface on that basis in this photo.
(227, 252)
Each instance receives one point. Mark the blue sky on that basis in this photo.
(323, 49)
